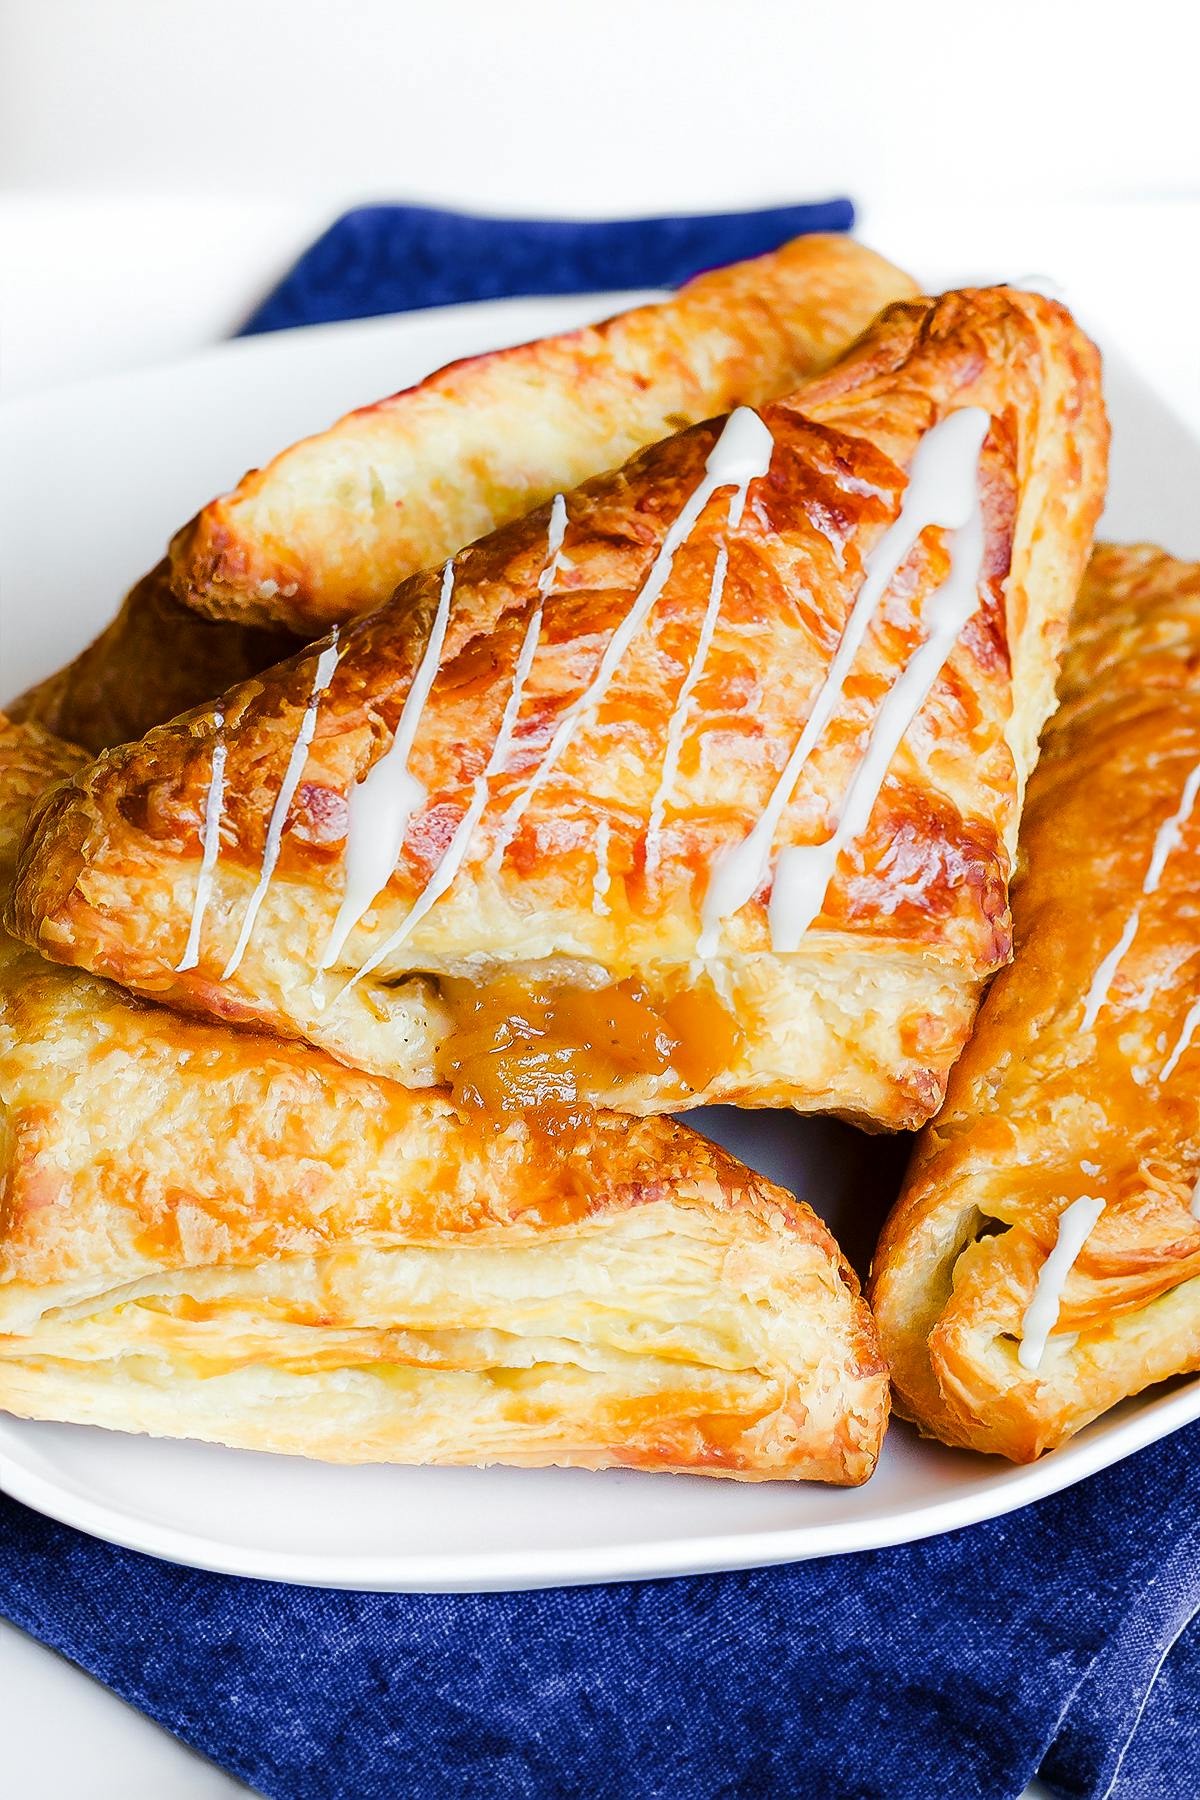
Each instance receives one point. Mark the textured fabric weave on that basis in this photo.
(944, 1670)
(387, 259)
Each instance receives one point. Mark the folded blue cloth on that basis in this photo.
(1062, 1638)
(388, 259)
(944, 1670)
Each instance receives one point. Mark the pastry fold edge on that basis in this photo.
(866, 1017)
(334, 523)
(1081, 1082)
(209, 1233)
(155, 659)
(331, 526)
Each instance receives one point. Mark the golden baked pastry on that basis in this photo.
(157, 658)
(700, 783)
(1043, 1260)
(331, 526)
(212, 1234)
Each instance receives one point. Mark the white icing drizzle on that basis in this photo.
(1102, 980)
(740, 455)
(1075, 1225)
(384, 801)
(602, 880)
(210, 845)
(326, 663)
(1167, 839)
(457, 850)
(942, 491)
(1195, 1206)
(1166, 842)
(1187, 1033)
(677, 723)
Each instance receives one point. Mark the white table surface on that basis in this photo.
(115, 259)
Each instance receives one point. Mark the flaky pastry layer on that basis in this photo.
(157, 658)
(331, 526)
(866, 1016)
(1081, 1083)
(206, 1232)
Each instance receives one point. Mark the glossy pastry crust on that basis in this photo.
(332, 525)
(866, 1017)
(1042, 1110)
(212, 1234)
(157, 658)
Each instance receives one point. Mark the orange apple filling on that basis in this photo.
(556, 1051)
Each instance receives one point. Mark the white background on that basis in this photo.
(162, 161)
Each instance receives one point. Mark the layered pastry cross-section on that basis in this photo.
(208, 1233)
(1043, 1261)
(701, 782)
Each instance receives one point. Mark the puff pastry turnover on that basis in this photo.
(700, 783)
(331, 526)
(156, 659)
(334, 523)
(211, 1234)
(1044, 1258)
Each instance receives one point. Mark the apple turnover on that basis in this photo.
(1043, 1261)
(336, 522)
(332, 525)
(702, 782)
(157, 658)
(208, 1233)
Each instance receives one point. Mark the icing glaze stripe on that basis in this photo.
(1076, 1224)
(210, 845)
(326, 663)
(677, 723)
(1187, 1033)
(457, 850)
(1166, 841)
(740, 455)
(602, 879)
(384, 801)
(1106, 970)
(942, 491)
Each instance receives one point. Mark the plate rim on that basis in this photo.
(1005, 1489)
(508, 1571)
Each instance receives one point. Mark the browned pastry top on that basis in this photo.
(1054, 1100)
(109, 874)
(209, 1232)
(155, 659)
(330, 526)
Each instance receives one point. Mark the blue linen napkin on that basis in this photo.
(389, 259)
(1064, 1638)
(945, 1670)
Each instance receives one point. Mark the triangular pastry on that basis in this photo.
(333, 524)
(702, 782)
(157, 658)
(212, 1234)
(330, 526)
(1043, 1261)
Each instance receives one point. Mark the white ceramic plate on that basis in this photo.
(94, 479)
